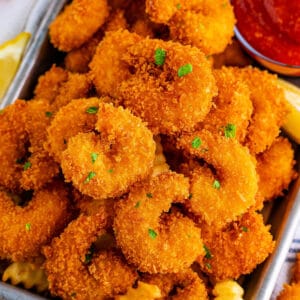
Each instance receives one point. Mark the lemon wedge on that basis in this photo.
(292, 124)
(10, 57)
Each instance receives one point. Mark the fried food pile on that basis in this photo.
(138, 170)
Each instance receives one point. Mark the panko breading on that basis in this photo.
(77, 23)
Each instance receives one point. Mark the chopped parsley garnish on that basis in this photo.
(110, 171)
(208, 266)
(149, 195)
(27, 165)
(190, 196)
(48, 114)
(28, 226)
(160, 56)
(245, 229)
(152, 233)
(196, 142)
(230, 130)
(138, 204)
(94, 157)
(178, 5)
(89, 255)
(207, 252)
(185, 69)
(92, 110)
(89, 177)
(216, 184)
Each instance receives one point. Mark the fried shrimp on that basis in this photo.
(107, 68)
(86, 274)
(77, 23)
(172, 85)
(152, 240)
(231, 187)
(13, 135)
(196, 22)
(275, 169)
(69, 121)
(185, 285)
(232, 105)
(269, 108)
(237, 248)
(97, 163)
(24, 230)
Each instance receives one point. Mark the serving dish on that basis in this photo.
(283, 214)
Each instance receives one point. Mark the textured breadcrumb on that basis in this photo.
(275, 168)
(290, 292)
(77, 23)
(24, 230)
(125, 154)
(237, 248)
(167, 101)
(151, 240)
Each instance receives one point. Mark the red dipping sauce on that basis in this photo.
(272, 27)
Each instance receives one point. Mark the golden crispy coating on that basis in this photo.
(41, 166)
(13, 135)
(166, 99)
(77, 23)
(86, 274)
(69, 121)
(200, 25)
(232, 105)
(121, 143)
(237, 248)
(49, 83)
(24, 230)
(275, 169)
(220, 196)
(78, 59)
(269, 108)
(290, 292)
(187, 285)
(296, 271)
(107, 68)
(151, 239)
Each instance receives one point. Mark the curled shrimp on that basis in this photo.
(196, 22)
(98, 163)
(77, 23)
(87, 274)
(172, 86)
(151, 239)
(220, 195)
(24, 230)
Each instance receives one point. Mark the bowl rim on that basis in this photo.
(255, 52)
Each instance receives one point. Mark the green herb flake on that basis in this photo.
(223, 5)
(208, 266)
(190, 196)
(196, 142)
(89, 177)
(178, 6)
(92, 110)
(230, 130)
(138, 204)
(94, 157)
(89, 255)
(152, 234)
(1, 111)
(27, 165)
(149, 195)
(216, 184)
(207, 252)
(110, 171)
(245, 229)
(160, 56)
(185, 69)
(28, 226)
(49, 114)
